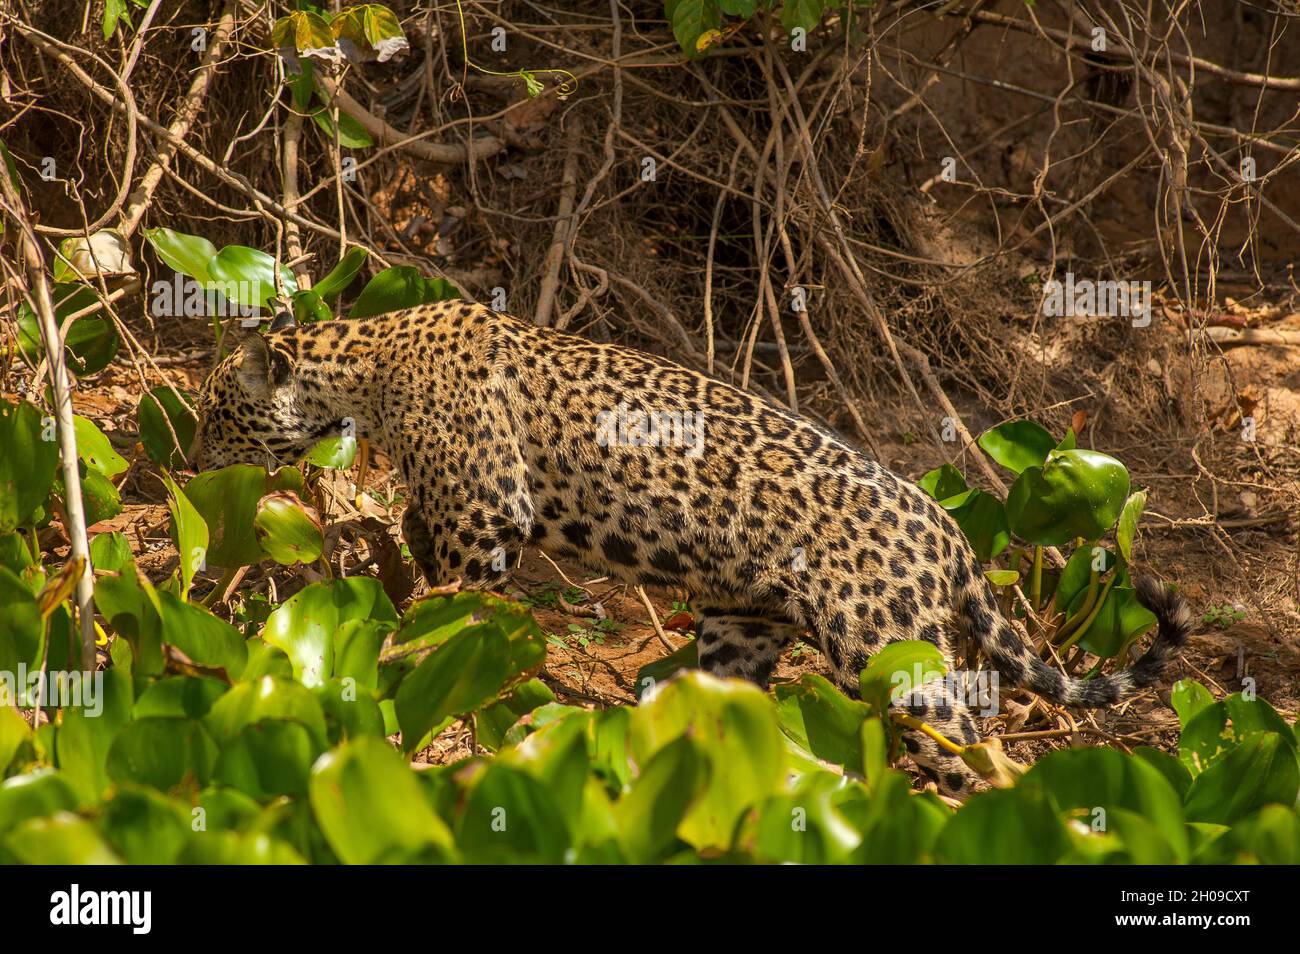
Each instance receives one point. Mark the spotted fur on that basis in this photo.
(775, 525)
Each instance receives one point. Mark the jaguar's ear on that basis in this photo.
(263, 369)
(283, 319)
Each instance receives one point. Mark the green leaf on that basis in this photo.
(163, 753)
(511, 816)
(335, 452)
(61, 839)
(99, 498)
(493, 722)
(302, 30)
(352, 135)
(1018, 445)
(342, 274)
(269, 697)
(1102, 778)
(246, 276)
(28, 464)
(20, 625)
(308, 307)
(822, 720)
(983, 519)
(224, 848)
(648, 816)
(89, 344)
(110, 551)
(1128, 521)
(160, 413)
(802, 14)
(691, 19)
(1002, 577)
(189, 533)
(1254, 773)
(1007, 826)
(188, 254)
(400, 287)
(14, 731)
(228, 499)
(267, 759)
(35, 795)
(288, 532)
(207, 640)
(735, 727)
(897, 670)
(369, 805)
(182, 696)
(1188, 698)
(804, 826)
(1077, 493)
(94, 448)
(304, 625)
(87, 731)
(1120, 620)
(144, 826)
(943, 482)
(465, 672)
(1212, 730)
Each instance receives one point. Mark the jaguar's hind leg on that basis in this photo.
(741, 642)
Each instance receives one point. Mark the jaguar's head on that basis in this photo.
(255, 409)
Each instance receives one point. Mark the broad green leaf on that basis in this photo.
(1269, 837)
(943, 482)
(803, 827)
(89, 345)
(61, 839)
(188, 254)
(110, 551)
(163, 753)
(302, 30)
(160, 414)
(1119, 621)
(510, 815)
(648, 816)
(267, 759)
(28, 464)
(1188, 698)
(352, 135)
(1076, 493)
(87, 730)
(309, 307)
(304, 626)
(802, 14)
(1260, 771)
(144, 826)
(822, 720)
(1018, 445)
(181, 696)
(342, 274)
(983, 519)
(465, 672)
(226, 848)
(735, 726)
(369, 805)
(20, 628)
(400, 287)
(246, 276)
(287, 530)
(189, 533)
(899, 669)
(14, 731)
(493, 722)
(693, 18)
(35, 795)
(1098, 778)
(270, 697)
(228, 499)
(1005, 826)
(94, 448)
(205, 639)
